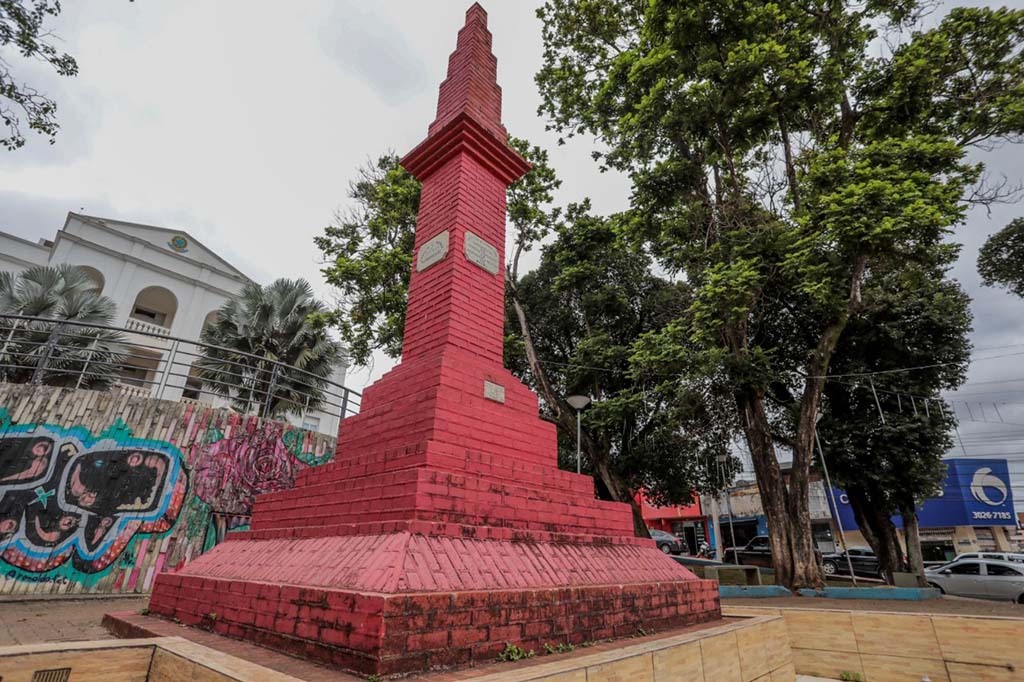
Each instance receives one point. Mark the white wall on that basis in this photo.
(133, 257)
(17, 254)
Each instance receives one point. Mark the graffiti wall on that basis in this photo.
(99, 491)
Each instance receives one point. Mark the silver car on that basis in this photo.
(998, 556)
(979, 578)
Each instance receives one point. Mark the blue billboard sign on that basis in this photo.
(975, 492)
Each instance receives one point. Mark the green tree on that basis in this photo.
(579, 314)
(890, 462)
(368, 258)
(1001, 258)
(268, 351)
(56, 353)
(23, 31)
(777, 161)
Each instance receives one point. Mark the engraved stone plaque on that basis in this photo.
(493, 391)
(481, 253)
(432, 252)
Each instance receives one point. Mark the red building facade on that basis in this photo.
(686, 522)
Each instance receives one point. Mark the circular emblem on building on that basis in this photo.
(178, 243)
(983, 482)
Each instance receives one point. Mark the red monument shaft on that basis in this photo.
(443, 529)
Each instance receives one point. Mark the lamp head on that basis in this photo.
(578, 402)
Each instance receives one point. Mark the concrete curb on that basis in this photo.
(769, 591)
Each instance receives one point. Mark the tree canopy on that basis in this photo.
(586, 304)
(887, 453)
(51, 352)
(23, 31)
(268, 351)
(1001, 258)
(779, 160)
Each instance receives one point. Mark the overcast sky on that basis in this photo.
(242, 123)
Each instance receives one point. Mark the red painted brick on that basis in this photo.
(427, 641)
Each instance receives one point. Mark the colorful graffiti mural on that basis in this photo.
(65, 495)
(156, 486)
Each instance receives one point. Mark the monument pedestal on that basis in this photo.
(444, 528)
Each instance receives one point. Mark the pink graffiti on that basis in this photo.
(251, 460)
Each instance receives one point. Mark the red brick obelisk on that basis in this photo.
(444, 528)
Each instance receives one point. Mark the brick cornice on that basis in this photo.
(463, 134)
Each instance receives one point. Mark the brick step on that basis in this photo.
(526, 531)
(449, 458)
(438, 495)
(596, 517)
(412, 562)
(428, 480)
(511, 533)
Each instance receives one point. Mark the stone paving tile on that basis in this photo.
(67, 620)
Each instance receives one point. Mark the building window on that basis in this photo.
(134, 376)
(155, 305)
(140, 313)
(311, 423)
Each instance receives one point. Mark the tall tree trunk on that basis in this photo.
(804, 569)
(912, 533)
(786, 507)
(877, 528)
(620, 492)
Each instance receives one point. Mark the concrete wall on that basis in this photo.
(159, 659)
(99, 491)
(900, 647)
(740, 650)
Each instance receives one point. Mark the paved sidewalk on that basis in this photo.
(955, 606)
(66, 620)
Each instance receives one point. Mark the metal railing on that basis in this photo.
(154, 364)
(133, 325)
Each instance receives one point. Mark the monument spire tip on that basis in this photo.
(476, 9)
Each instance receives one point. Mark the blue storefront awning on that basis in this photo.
(975, 492)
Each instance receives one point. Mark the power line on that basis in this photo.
(913, 369)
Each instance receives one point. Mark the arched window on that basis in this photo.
(155, 305)
(95, 275)
(211, 318)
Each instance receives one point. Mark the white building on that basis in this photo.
(163, 281)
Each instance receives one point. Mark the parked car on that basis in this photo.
(996, 556)
(978, 578)
(757, 552)
(862, 559)
(667, 543)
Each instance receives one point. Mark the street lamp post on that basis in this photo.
(722, 459)
(578, 402)
(835, 508)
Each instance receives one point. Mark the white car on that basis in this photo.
(979, 578)
(997, 556)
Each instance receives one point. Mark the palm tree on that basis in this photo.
(265, 351)
(57, 353)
